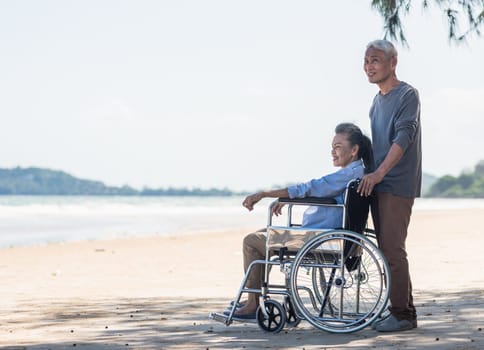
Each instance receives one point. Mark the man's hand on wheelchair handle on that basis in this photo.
(367, 183)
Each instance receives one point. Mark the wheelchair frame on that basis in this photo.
(338, 280)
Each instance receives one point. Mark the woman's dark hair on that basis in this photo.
(356, 137)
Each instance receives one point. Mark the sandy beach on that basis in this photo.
(156, 293)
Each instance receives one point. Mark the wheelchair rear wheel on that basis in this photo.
(339, 281)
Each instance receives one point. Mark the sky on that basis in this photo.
(226, 94)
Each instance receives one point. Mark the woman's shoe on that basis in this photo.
(239, 304)
(241, 317)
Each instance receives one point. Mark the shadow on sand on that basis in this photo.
(446, 321)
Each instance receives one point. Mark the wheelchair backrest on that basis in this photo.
(356, 208)
(355, 216)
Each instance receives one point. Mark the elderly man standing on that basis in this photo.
(396, 181)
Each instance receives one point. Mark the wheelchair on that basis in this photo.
(335, 279)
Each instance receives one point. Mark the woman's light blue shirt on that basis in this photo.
(329, 186)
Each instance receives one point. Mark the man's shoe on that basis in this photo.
(392, 324)
(374, 324)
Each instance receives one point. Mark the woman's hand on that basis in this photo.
(251, 200)
(277, 209)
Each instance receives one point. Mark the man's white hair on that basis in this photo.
(385, 46)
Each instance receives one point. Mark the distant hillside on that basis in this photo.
(38, 181)
(427, 182)
(466, 185)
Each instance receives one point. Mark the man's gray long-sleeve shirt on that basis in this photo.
(395, 118)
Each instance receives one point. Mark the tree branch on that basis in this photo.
(456, 11)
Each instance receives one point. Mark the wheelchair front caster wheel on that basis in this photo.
(275, 319)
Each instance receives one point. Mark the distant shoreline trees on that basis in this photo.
(46, 182)
(466, 185)
(39, 181)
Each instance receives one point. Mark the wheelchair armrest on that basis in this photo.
(308, 200)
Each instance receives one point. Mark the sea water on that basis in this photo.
(33, 220)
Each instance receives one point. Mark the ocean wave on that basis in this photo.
(30, 220)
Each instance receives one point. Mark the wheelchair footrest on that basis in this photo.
(224, 318)
(218, 317)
